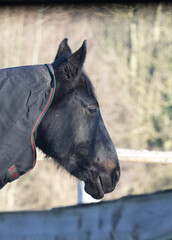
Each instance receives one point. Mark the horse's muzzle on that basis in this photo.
(109, 182)
(102, 184)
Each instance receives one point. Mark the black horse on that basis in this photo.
(71, 130)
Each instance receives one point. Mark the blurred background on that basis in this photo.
(129, 61)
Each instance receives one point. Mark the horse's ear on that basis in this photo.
(64, 49)
(77, 59)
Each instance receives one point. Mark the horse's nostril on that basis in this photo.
(117, 172)
(116, 175)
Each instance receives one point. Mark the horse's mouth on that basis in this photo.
(95, 188)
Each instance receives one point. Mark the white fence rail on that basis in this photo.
(144, 156)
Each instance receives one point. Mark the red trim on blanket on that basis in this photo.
(51, 68)
(42, 114)
(13, 173)
(52, 90)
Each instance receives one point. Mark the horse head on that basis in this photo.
(73, 132)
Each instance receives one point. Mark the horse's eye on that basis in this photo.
(92, 109)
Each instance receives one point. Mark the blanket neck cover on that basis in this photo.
(25, 96)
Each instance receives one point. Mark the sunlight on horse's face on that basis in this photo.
(73, 132)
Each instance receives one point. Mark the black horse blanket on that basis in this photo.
(25, 96)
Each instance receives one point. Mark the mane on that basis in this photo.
(60, 60)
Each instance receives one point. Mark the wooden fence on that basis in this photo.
(143, 217)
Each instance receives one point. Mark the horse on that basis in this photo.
(64, 121)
